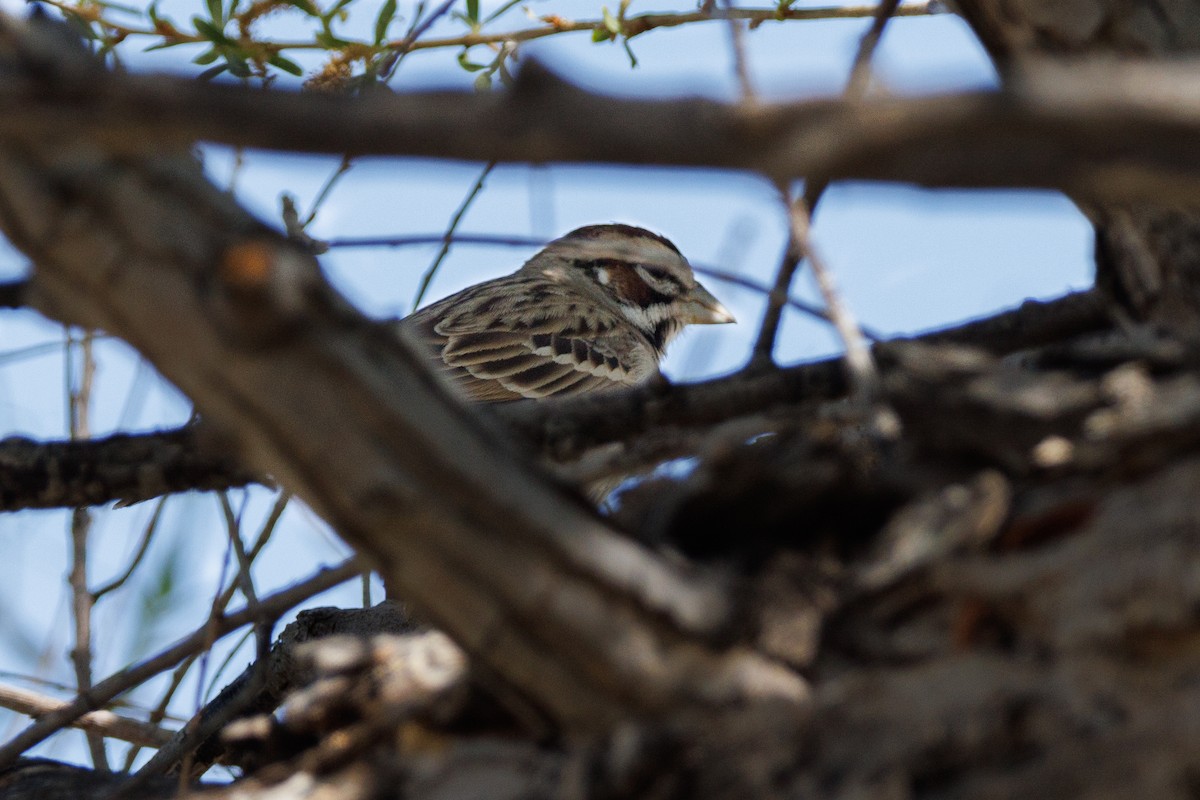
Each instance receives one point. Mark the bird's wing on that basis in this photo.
(523, 338)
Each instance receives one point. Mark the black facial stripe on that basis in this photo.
(662, 332)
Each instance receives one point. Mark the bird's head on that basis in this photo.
(639, 272)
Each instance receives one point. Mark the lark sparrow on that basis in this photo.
(594, 310)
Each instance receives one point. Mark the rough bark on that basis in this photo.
(576, 623)
(988, 584)
(1148, 254)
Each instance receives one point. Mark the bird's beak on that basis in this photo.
(701, 308)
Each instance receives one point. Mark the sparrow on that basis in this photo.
(591, 312)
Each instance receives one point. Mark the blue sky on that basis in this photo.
(906, 259)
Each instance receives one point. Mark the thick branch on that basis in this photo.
(564, 428)
(134, 467)
(126, 468)
(589, 626)
(1056, 131)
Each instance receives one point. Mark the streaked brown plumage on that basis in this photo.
(594, 310)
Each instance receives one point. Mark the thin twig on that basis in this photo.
(860, 366)
(244, 579)
(159, 712)
(741, 63)
(856, 85)
(806, 308)
(860, 71)
(815, 186)
(632, 26)
(448, 236)
(405, 45)
(343, 167)
(120, 682)
(485, 239)
(101, 723)
(219, 606)
(139, 554)
(79, 393)
(768, 330)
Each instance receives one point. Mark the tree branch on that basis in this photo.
(578, 622)
(114, 685)
(125, 467)
(563, 428)
(104, 723)
(134, 467)
(1057, 129)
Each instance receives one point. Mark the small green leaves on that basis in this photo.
(304, 5)
(285, 64)
(210, 31)
(473, 11)
(612, 29)
(386, 15)
(207, 57)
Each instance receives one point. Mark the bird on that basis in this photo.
(593, 311)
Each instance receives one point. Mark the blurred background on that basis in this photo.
(905, 260)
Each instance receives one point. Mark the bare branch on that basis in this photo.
(590, 626)
(859, 363)
(104, 723)
(185, 467)
(449, 235)
(117, 683)
(563, 428)
(122, 467)
(1035, 135)
(632, 26)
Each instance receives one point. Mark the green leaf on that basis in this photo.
(207, 57)
(337, 8)
(214, 11)
(386, 14)
(600, 35)
(327, 40)
(212, 72)
(611, 23)
(629, 52)
(483, 82)
(285, 64)
(209, 31)
(501, 10)
(473, 10)
(467, 64)
(304, 5)
(118, 7)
